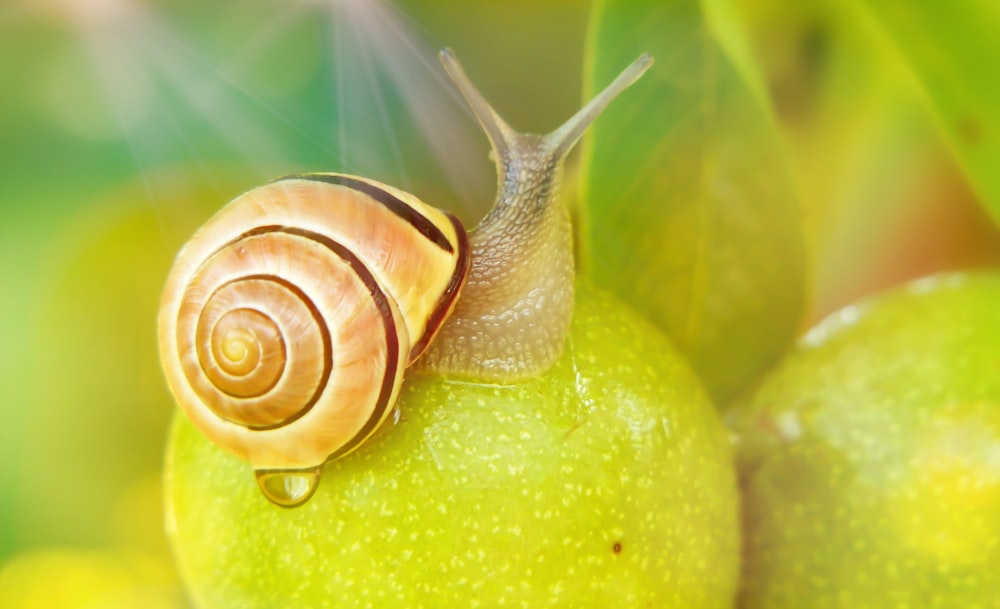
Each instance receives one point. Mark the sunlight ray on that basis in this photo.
(104, 53)
(387, 50)
(213, 82)
(174, 124)
(369, 69)
(241, 132)
(340, 123)
(441, 117)
(204, 86)
(262, 40)
(368, 65)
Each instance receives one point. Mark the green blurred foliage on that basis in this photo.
(945, 48)
(125, 123)
(688, 208)
(884, 199)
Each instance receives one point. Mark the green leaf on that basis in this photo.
(953, 50)
(868, 162)
(726, 25)
(688, 209)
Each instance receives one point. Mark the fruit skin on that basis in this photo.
(607, 482)
(870, 459)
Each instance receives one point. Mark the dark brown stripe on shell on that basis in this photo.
(451, 292)
(419, 222)
(391, 338)
(385, 310)
(389, 324)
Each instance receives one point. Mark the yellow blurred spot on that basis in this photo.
(76, 579)
(137, 519)
(948, 506)
(951, 514)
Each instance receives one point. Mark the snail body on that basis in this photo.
(288, 319)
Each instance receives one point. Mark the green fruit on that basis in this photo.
(870, 459)
(607, 482)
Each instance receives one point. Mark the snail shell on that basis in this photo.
(288, 319)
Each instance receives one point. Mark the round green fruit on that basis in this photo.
(606, 482)
(870, 458)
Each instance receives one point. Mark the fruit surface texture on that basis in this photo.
(870, 458)
(606, 482)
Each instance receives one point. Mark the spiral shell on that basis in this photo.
(288, 319)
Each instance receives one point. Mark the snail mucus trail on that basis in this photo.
(288, 318)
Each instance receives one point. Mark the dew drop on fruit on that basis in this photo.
(288, 488)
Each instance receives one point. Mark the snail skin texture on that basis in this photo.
(288, 319)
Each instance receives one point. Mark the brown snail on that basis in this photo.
(288, 318)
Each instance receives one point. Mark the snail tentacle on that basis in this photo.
(515, 311)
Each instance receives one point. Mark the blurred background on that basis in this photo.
(125, 123)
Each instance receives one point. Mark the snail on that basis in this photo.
(288, 319)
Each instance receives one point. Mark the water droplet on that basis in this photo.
(288, 488)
